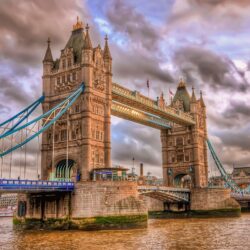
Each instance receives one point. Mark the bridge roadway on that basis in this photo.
(165, 194)
(24, 186)
(140, 102)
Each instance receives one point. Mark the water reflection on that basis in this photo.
(222, 233)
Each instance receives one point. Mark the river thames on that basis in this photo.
(219, 233)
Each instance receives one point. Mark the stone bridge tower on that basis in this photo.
(184, 150)
(80, 140)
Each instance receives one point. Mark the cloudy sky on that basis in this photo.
(204, 41)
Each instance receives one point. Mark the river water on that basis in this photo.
(219, 233)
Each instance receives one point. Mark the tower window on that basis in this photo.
(179, 141)
(74, 76)
(64, 64)
(69, 62)
(63, 79)
(77, 108)
(64, 135)
(180, 158)
(68, 77)
(58, 80)
(186, 157)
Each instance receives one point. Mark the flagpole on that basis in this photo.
(148, 87)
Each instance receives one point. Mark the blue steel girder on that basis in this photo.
(47, 119)
(136, 100)
(128, 113)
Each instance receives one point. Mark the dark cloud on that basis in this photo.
(132, 140)
(25, 26)
(237, 109)
(137, 49)
(124, 18)
(206, 67)
(209, 15)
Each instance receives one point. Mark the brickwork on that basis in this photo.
(92, 199)
(212, 199)
(152, 204)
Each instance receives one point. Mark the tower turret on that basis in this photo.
(107, 56)
(193, 102)
(201, 100)
(48, 60)
(87, 54)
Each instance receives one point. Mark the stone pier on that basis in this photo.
(213, 202)
(92, 206)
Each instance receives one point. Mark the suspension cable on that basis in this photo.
(11, 143)
(38, 153)
(67, 147)
(53, 149)
(25, 151)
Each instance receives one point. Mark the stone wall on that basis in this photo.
(93, 205)
(152, 204)
(91, 199)
(204, 199)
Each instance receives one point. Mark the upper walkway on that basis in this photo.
(140, 102)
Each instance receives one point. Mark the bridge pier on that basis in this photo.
(213, 202)
(92, 205)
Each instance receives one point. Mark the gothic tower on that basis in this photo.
(184, 151)
(80, 140)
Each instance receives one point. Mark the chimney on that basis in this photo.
(141, 169)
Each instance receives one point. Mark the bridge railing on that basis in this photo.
(14, 184)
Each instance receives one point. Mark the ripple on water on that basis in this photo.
(219, 233)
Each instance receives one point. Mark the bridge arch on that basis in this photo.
(65, 169)
(183, 180)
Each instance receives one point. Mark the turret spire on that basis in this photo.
(78, 25)
(87, 40)
(106, 53)
(193, 98)
(201, 100)
(48, 55)
(181, 84)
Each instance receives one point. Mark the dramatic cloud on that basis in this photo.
(198, 39)
(204, 66)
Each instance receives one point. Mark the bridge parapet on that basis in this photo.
(13, 185)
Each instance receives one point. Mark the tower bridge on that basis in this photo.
(79, 98)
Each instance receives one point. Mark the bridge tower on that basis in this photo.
(184, 151)
(80, 140)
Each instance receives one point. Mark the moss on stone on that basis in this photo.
(16, 221)
(94, 223)
(232, 212)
